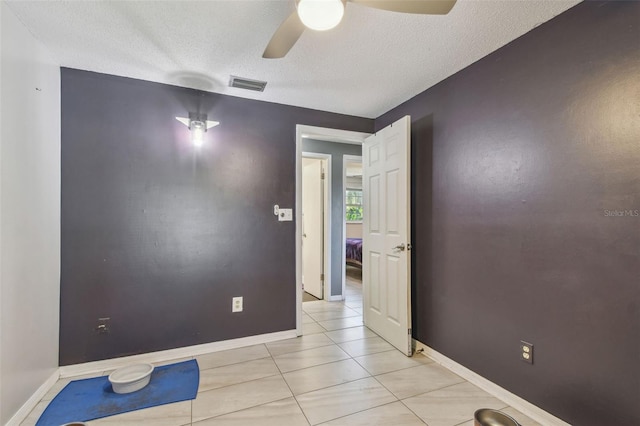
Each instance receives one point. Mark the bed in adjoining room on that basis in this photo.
(354, 252)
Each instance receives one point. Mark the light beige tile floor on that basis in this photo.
(345, 376)
(324, 376)
(368, 346)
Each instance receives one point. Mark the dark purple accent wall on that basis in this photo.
(159, 236)
(519, 164)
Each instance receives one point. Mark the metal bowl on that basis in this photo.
(489, 417)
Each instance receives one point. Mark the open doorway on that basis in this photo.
(352, 219)
(385, 309)
(315, 225)
(328, 312)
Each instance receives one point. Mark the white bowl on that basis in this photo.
(131, 378)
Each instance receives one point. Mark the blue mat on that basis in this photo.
(89, 399)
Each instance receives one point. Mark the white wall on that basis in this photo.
(29, 214)
(354, 230)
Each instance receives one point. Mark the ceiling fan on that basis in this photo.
(321, 15)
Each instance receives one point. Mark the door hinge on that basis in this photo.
(321, 277)
(322, 176)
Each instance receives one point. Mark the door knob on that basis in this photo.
(399, 247)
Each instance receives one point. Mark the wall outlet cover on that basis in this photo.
(526, 352)
(236, 304)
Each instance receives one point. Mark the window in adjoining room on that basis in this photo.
(354, 205)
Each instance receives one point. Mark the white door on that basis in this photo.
(312, 227)
(386, 245)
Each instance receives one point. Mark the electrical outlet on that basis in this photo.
(103, 326)
(526, 351)
(236, 304)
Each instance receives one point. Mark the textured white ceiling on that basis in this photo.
(373, 61)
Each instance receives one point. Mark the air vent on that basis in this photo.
(248, 84)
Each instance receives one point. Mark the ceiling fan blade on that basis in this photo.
(285, 37)
(425, 7)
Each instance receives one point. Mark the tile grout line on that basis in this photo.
(233, 363)
(434, 390)
(429, 391)
(414, 413)
(301, 350)
(372, 353)
(323, 364)
(317, 365)
(351, 314)
(382, 384)
(390, 371)
(444, 387)
(400, 400)
(362, 411)
(343, 328)
(336, 385)
(248, 381)
(364, 368)
(351, 381)
(291, 390)
(340, 384)
(329, 344)
(239, 383)
(311, 314)
(240, 410)
(353, 340)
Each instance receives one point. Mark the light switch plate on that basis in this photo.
(286, 215)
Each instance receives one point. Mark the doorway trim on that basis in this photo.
(346, 159)
(317, 133)
(326, 219)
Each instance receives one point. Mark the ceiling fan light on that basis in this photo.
(320, 15)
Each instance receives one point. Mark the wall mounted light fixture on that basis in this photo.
(198, 125)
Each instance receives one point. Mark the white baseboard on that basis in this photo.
(525, 407)
(109, 364)
(160, 356)
(28, 406)
(335, 298)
